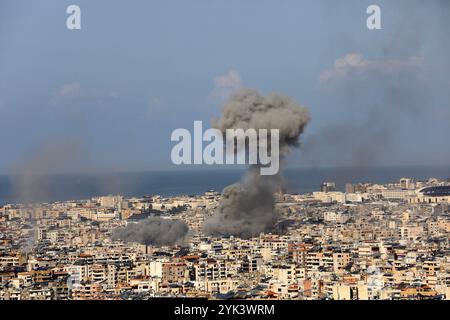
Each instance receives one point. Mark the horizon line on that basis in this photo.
(198, 168)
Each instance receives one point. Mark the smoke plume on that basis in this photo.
(248, 208)
(30, 182)
(379, 102)
(377, 98)
(153, 231)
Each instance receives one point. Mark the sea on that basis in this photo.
(65, 187)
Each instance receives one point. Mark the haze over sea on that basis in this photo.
(63, 187)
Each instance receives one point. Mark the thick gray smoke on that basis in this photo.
(248, 208)
(153, 231)
(247, 109)
(29, 241)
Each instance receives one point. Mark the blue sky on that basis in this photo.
(108, 96)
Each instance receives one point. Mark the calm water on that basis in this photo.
(83, 186)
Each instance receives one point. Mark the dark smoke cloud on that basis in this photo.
(153, 231)
(247, 109)
(248, 208)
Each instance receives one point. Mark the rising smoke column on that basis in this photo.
(30, 180)
(153, 231)
(248, 208)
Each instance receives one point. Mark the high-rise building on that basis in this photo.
(349, 188)
(406, 183)
(111, 201)
(328, 187)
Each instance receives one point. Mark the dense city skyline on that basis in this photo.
(237, 152)
(370, 242)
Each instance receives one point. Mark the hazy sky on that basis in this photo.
(108, 96)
